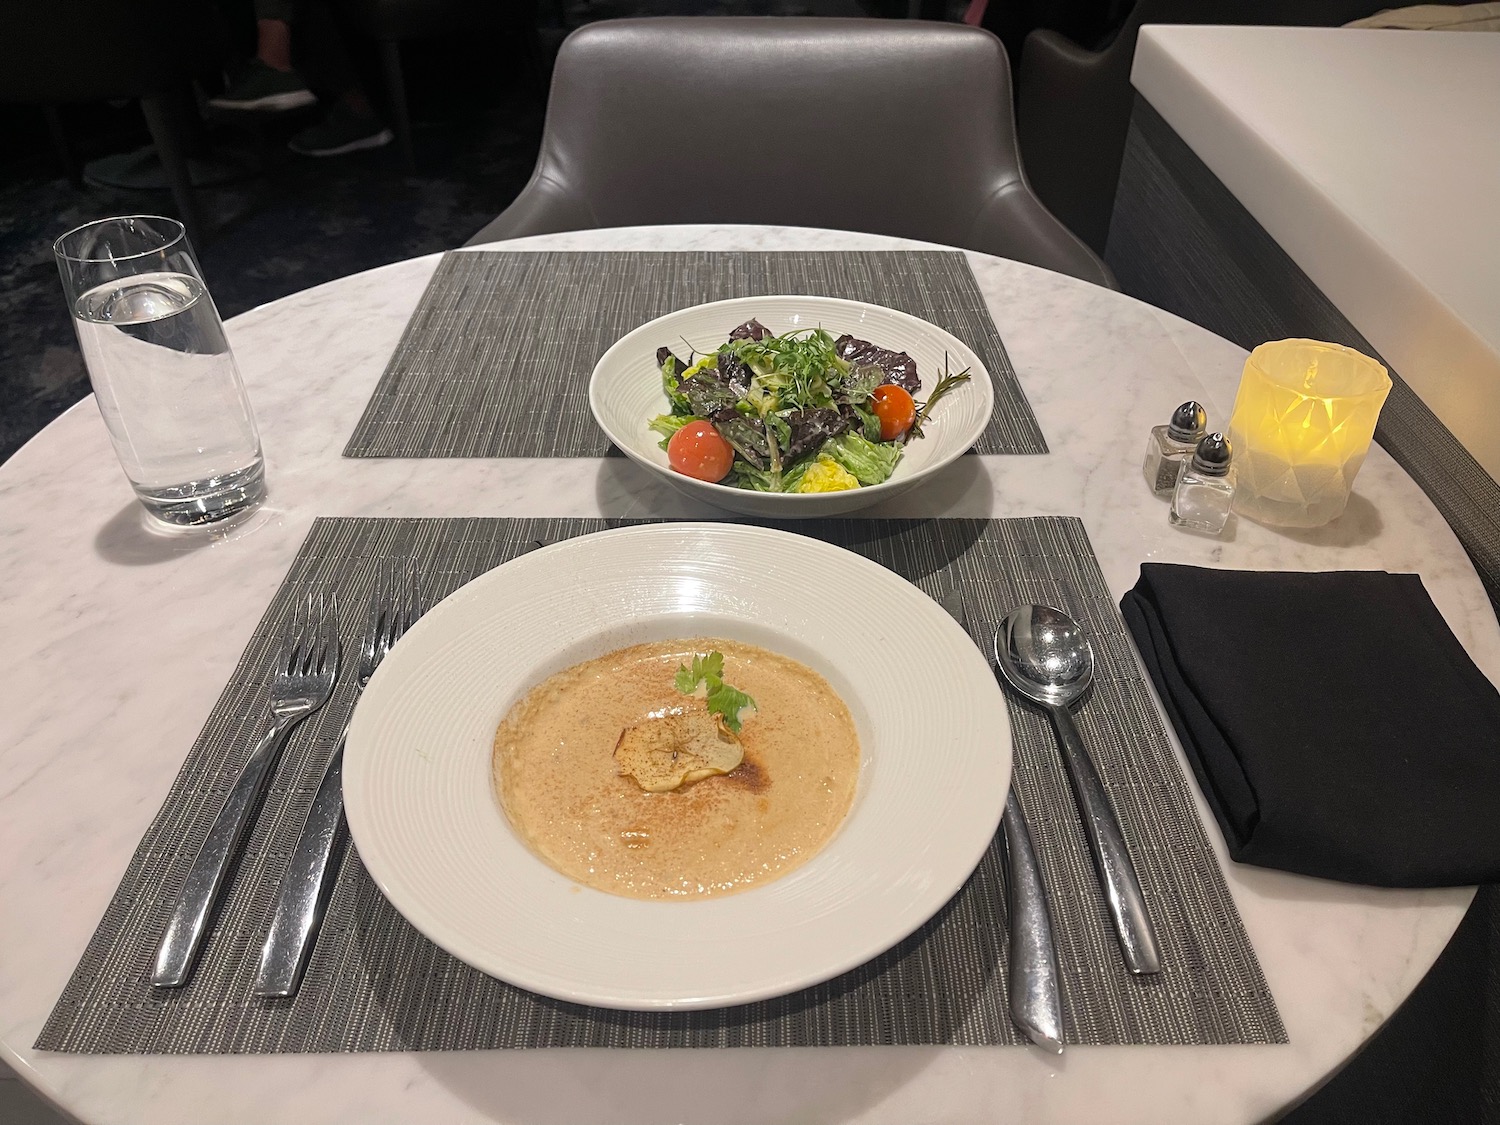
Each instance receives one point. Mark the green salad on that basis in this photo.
(801, 412)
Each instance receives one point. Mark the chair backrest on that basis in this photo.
(891, 127)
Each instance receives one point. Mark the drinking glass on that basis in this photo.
(161, 368)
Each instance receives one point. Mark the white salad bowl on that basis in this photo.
(625, 393)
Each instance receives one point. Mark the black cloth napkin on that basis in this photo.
(1336, 725)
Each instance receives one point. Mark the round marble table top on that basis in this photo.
(118, 641)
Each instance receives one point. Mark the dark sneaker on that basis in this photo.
(263, 87)
(341, 130)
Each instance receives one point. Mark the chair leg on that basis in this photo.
(167, 134)
(62, 147)
(395, 85)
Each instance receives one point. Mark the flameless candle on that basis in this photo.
(1302, 424)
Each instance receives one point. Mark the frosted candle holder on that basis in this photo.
(1302, 423)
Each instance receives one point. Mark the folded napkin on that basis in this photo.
(1336, 725)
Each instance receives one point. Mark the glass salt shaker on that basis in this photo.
(1205, 488)
(1170, 447)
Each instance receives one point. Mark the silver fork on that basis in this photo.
(1035, 1001)
(301, 682)
(308, 882)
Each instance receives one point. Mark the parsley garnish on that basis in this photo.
(722, 699)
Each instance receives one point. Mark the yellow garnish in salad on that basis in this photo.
(703, 363)
(827, 475)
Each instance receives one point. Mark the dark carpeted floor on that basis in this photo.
(302, 222)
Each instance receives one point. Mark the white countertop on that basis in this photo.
(1373, 158)
(118, 642)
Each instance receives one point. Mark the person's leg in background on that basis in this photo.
(267, 83)
(297, 37)
(350, 123)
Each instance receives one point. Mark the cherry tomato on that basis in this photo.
(895, 409)
(697, 450)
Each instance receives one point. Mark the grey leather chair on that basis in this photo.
(891, 127)
(1073, 104)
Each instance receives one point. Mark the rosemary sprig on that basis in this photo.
(944, 385)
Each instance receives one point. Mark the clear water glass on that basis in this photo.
(161, 369)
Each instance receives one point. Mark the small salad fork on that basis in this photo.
(302, 680)
(308, 882)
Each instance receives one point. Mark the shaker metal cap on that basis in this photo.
(1212, 456)
(1188, 422)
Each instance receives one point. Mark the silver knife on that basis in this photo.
(1035, 1000)
(1035, 997)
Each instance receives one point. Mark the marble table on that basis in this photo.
(117, 642)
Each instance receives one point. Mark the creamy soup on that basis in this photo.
(560, 784)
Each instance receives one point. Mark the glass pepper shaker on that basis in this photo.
(1205, 488)
(1170, 447)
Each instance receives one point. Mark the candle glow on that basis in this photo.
(1303, 421)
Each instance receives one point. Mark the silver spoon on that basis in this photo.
(1043, 654)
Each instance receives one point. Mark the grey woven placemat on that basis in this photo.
(375, 984)
(495, 362)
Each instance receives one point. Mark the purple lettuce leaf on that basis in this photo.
(752, 329)
(899, 367)
(811, 428)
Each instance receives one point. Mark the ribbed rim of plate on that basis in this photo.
(935, 741)
(625, 388)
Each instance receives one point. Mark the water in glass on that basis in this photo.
(171, 396)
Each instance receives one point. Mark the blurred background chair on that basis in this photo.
(390, 22)
(1088, 23)
(55, 53)
(891, 127)
(1073, 104)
